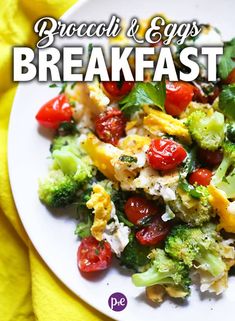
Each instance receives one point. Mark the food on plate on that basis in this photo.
(150, 169)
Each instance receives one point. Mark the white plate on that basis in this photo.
(53, 236)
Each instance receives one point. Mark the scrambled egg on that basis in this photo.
(101, 154)
(224, 209)
(88, 100)
(134, 143)
(136, 147)
(135, 126)
(152, 183)
(100, 202)
(117, 234)
(157, 122)
(98, 100)
(125, 174)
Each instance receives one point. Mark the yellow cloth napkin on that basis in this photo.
(28, 289)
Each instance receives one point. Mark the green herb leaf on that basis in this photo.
(128, 159)
(227, 101)
(190, 189)
(67, 128)
(123, 219)
(190, 162)
(227, 64)
(144, 94)
(61, 86)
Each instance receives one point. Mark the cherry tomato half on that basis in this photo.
(110, 125)
(178, 95)
(54, 112)
(93, 255)
(165, 154)
(231, 77)
(208, 157)
(118, 89)
(154, 233)
(138, 207)
(201, 176)
(201, 94)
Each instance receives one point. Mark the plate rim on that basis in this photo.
(10, 153)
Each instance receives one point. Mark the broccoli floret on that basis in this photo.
(83, 229)
(85, 215)
(207, 131)
(57, 190)
(191, 210)
(135, 255)
(224, 177)
(196, 247)
(70, 170)
(230, 132)
(72, 163)
(165, 271)
(61, 141)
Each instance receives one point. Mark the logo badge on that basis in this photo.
(117, 301)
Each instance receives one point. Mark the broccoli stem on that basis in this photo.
(212, 263)
(221, 171)
(151, 277)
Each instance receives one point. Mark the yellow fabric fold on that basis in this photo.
(28, 289)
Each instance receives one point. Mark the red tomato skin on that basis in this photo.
(110, 125)
(154, 233)
(138, 207)
(54, 112)
(112, 88)
(201, 176)
(93, 255)
(212, 158)
(231, 77)
(201, 97)
(178, 95)
(165, 154)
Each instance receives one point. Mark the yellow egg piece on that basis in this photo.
(221, 204)
(157, 121)
(101, 154)
(134, 143)
(100, 202)
(131, 124)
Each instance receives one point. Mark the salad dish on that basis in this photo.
(149, 169)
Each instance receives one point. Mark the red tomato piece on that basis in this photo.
(165, 154)
(54, 112)
(154, 233)
(201, 176)
(138, 207)
(118, 89)
(201, 97)
(208, 157)
(93, 255)
(178, 95)
(231, 77)
(110, 125)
